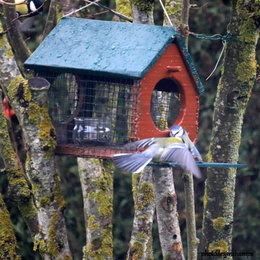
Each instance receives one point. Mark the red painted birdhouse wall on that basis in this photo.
(171, 66)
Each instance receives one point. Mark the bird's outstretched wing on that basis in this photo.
(132, 163)
(139, 144)
(179, 153)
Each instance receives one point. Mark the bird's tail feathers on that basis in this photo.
(132, 163)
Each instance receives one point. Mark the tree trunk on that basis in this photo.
(192, 239)
(29, 103)
(174, 10)
(140, 246)
(124, 7)
(167, 215)
(143, 192)
(8, 244)
(233, 93)
(51, 19)
(11, 25)
(19, 186)
(97, 187)
(142, 11)
(29, 99)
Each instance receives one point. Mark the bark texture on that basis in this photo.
(97, 188)
(192, 239)
(8, 244)
(19, 187)
(233, 93)
(180, 18)
(51, 20)
(18, 182)
(143, 192)
(142, 11)
(174, 9)
(124, 7)
(167, 216)
(29, 100)
(14, 35)
(30, 103)
(140, 246)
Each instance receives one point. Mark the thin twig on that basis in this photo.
(8, 3)
(5, 31)
(185, 20)
(97, 14)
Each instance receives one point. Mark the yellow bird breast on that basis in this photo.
(22, 7)
(169, 140)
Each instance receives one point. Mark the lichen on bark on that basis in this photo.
(233, 93)
(143, 5)
(97, 187)
(124, 7)
(8, 245)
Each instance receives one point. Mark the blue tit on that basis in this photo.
(178, 131)
(166, 149)
(27, 7)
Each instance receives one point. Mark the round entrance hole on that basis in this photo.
(165, 103)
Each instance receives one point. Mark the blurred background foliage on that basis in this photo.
(207, 17)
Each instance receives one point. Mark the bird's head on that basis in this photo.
(177, 131)
(37, 3)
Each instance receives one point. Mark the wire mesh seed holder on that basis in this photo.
(113, 83)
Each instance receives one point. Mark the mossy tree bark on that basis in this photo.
(174, 10)
(233, 93)
(97, 187)
(140, 246)
(166, 199)
(19, 186)
(30, 104)
(11, 25)
(29, 100)
(143, 192)
(179, 11)
(18, 183)
(8, 245)
(142, 11)
(124, 7)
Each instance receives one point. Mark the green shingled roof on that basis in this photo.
(104, 48)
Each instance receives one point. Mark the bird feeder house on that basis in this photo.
(113, 83)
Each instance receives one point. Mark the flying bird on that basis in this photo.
(177, 148)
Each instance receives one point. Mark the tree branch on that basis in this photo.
(29, 99)
(193, 241)
(233, 93)
(20, 189)
(185, 20)
(97, 188)
(51, 20)
(167, 215)
(15, 38)
(143, 192)
(7, 236)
